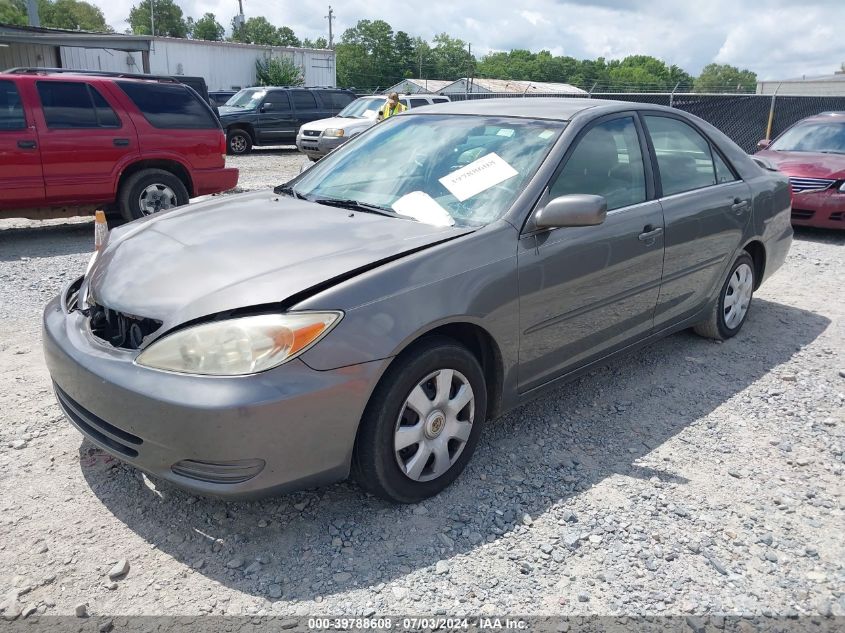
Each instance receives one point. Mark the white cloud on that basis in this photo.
(775, 38)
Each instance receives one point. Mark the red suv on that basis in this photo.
(71, 143)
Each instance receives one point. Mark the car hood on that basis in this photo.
(339, 122)
(231, 110)
(241, 251)
(807, 164)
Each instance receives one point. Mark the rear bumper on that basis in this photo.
(288, 428)
(822, 209)
(208, 181)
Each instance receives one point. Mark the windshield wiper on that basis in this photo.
(289, 191)
(355, 206)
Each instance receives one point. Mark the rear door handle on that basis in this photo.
(121, 142)
(26, 144)
(739, 206)
(649, 233)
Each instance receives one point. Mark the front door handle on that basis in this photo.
(121, 142)
(649, 233)
(26, 144)
(739, 206)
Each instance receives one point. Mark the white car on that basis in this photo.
(318, 138)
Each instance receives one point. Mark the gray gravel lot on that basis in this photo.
(689, 478)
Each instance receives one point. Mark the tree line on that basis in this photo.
(372, 55)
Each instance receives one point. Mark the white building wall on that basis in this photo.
(806, 87)
(224, 65)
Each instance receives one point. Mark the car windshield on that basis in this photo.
(825, 137)
(248, 98)
(361, 108)
(437, 169)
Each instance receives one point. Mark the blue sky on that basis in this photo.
(777, 39)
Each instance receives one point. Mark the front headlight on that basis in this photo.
(235, 347)
(333, 131)
(842, 187)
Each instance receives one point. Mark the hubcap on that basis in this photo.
(237, 143)
(434, 425)
(157, 198)
(738, 295)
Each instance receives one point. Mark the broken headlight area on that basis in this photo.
(120, 330)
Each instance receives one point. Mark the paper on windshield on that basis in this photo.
(422, 207)
(481, 174)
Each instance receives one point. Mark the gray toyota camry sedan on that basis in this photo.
(370, 315)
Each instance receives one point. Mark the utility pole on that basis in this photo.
(32, 13)
(330, 17)
(152, 19)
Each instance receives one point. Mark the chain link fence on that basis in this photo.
(743, 117)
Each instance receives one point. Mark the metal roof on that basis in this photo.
(61, 37)
(517, 86)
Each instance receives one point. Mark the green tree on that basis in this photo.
(725, 78)
(365, 56)
(273, 71)
(450, 58)
(13, 12)
(73, 15)
(257, 30)
(287, 37)
(404, 55)
(320, 42)
(169, 19)
(208, 28)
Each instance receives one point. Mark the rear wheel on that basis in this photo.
(238, 142)
(422, 424)
(150, 191)
(731, 309)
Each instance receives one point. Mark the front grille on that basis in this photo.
(106, 434)
(310, 132)
(118, 329)
(803, 185)
(802, 214)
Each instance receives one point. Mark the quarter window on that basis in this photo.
(416, 103)
(606, 162)
(303, 100)
(68, 105)
(170, 106)
(723, 172)
(11, 108)
(684, 156)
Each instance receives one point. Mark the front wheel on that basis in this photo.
(238, 142)
(423, 422)
(731, 309)
(150, 191)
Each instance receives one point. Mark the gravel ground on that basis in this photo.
(690, 478)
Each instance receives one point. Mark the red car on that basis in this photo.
(812, 154)
(71, 143)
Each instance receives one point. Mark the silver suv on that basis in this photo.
(318, 138)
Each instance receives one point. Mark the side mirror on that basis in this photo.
(576, 209)
(266, 107)
(764, 144)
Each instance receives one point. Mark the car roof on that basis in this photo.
(561, 109)
(826, 116)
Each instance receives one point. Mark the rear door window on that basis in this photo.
(71, 105)
(416, 103)
(303, 100)
(684, 156)
(11, 108)
(169, 106)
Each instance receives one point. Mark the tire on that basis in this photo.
(376, 463)
(725, 321)
(238, 142)
(161, 189)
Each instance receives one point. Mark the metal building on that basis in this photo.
(824, 86)
(514, 86)
(417, 86)
(224, 65)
